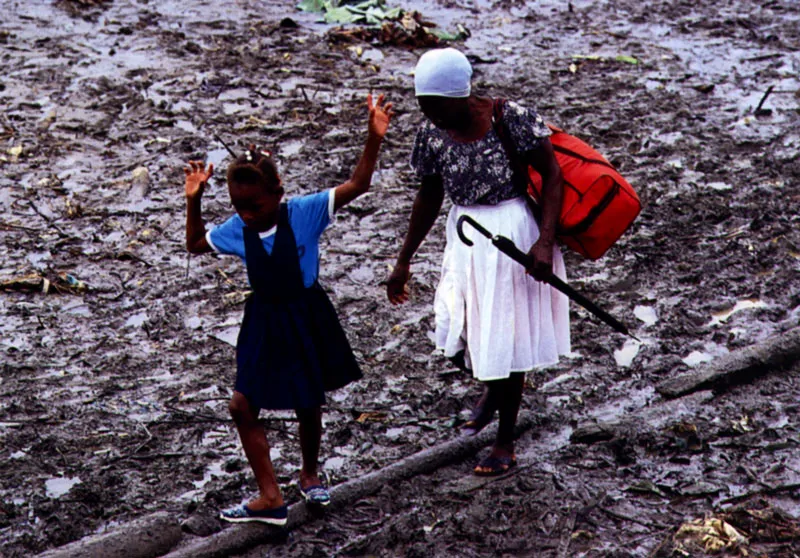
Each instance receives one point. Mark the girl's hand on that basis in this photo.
(379, 115)
(196, 178)
(396, 285)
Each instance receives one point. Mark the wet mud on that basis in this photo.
(117, 360)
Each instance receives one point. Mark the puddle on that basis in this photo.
(697, 357)
(57, 487)
(746, 304)
(333, 463)
(229, 335)
(647, 314)
(136, 320)
(625, 355)
(291, 148)
(216, 157)
(710, 352)
(213, 470)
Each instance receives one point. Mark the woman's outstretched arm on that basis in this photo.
(423, 214)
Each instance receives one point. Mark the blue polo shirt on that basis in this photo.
(308, 218)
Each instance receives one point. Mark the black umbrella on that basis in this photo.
(506, 246)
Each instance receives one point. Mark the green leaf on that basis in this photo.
(627, 59)
(313, 5)
(341, 15)
(443, 35)
(394, 13)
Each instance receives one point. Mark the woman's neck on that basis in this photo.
(477, 123)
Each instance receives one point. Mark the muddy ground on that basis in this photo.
(114, 383)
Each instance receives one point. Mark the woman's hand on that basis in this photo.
(541, 260)
(379, 115)
(196, 178)
(396, 285)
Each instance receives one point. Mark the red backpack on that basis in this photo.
(599, 204)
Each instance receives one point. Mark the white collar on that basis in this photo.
(268, 233)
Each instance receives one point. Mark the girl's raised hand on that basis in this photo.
(380, 115)
(197, 177)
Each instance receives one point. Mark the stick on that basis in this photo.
(146, 537)
(238, 538)
(762, 492)
(764, 98)
(225, 145)
(777, 352)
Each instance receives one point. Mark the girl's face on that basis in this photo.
(256, 205)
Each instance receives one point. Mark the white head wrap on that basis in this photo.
(443, 72)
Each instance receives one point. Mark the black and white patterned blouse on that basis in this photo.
(477, 172)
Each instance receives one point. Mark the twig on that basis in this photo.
(762, 492)
(624, 517)
(10, 226)
(151, 456)
(47, 219)
(764, 98)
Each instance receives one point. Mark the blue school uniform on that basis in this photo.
(291, 347)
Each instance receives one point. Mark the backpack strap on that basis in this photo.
(519, 169)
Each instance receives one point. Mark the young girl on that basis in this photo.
(291, 347)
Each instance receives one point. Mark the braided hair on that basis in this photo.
(255, 168)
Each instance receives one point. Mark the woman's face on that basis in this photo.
(445, 113)
(256, 205)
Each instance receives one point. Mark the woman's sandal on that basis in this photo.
(479, 418)
(477, 422)
(491, 466)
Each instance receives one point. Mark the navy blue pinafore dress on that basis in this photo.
(291, 348)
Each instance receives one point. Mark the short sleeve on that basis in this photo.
(423, 159)
(312, 213)
(525, 126)
(228, 237)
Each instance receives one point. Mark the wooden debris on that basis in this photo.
(147, 537)
(238, 538)
(776, 353)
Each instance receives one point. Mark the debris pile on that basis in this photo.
(395, 27)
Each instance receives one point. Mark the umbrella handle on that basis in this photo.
(477, 226)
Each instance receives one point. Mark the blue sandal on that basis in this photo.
(316, 495)
(242, 514)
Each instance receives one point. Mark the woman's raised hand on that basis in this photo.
(380, 115)
(197, 177)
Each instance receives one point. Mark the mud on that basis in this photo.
(113, 393)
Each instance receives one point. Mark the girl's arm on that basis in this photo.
(543, 160)
(379, 117)
(196, 179)
(423, 214)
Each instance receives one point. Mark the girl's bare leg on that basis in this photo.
(256, 448)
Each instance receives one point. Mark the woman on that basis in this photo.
(491, 317)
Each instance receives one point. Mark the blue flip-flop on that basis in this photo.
(242, 514)
(317, 494)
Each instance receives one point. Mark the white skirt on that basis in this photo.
(487, 305)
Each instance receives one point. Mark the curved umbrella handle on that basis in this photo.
(477, 226)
